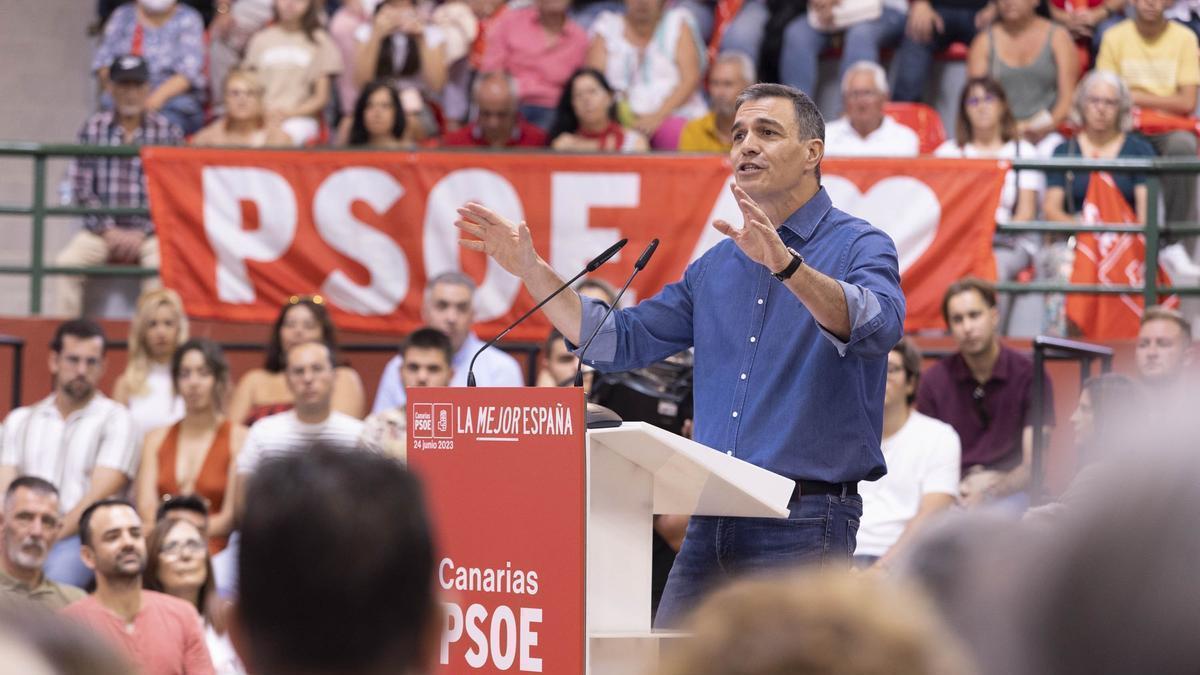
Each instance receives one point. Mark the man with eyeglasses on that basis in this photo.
(157, 632)
(985, 391)
(76, 438)
(30, 523)
(864, 130)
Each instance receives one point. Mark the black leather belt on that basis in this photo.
(816, 487)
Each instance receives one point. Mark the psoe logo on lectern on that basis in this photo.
(431, 422)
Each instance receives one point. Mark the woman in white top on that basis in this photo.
(245, 122)
(158, 328)
(178, 564)
(985, 129)
(654, 59)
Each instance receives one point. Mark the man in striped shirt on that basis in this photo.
(114, 182)
(76, 438)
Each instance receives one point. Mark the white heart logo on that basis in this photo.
(904, 207)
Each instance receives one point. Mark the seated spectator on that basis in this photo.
(76, 438)
(810, 33)
(923, 460)
(377, 609)
(731, 72)
(559, 364)
(427, 355)
(933, 25)
(294, 59)
(1163, 353)
(178, 564)
(653, 57)
(264, 391)
(114, 182)
(586, 119)
(984, 390)
(449, 306)
(863, 130)
(159, 326)
(540, 46)
(159, 633)
(1159, 60)
(196, 455)
(985, 129)
(496, 121)
(30, 524)
(310, 379)
(170, 37)
(1036, 63)
(378, 120)
(801, 623)
(1102, 110)
(245, 122)
(403, 47)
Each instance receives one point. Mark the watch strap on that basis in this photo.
(787, 272)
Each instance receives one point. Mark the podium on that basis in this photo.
(518, 491)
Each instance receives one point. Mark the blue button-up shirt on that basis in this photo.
(772, 386)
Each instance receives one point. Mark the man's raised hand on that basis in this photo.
(757, 237)
(504, 241)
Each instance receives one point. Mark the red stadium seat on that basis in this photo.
(922, 119)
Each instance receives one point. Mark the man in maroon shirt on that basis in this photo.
(495, 122)
(985, 391)
(159, 633)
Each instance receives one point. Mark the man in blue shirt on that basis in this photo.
(791, 325)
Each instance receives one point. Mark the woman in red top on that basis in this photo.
(196, 455)
(586, 118)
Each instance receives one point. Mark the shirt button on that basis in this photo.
(760, 301)
(753, 339)
(735, 413)
(743, 376)
(729, 452)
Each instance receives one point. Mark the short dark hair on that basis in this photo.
(359, 135)
(428, 338)
(360, 594)
(191, 503)
(552, 339)
(275, 357)
(911, 356)
(1160, 313)
(32, 483)
(84, 329)
(328, 350)
(85, 520)
(985, 288)
(808, 116)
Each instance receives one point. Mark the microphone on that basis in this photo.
(591, 267)
(637, 267)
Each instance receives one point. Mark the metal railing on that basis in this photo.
(38, 210)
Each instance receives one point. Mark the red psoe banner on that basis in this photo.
(504, 475)
(241, 231)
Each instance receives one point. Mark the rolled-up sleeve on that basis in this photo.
(874, 301)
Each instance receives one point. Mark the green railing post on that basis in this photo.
(36, 262)
(1150, 281)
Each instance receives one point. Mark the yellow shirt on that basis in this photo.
(700, 135)
(1160, 67)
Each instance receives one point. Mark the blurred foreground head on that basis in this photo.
(336, 567)
(816, 622)
(36, 641)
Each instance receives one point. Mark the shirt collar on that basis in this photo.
(1001, 370)
(805, 219)
(467, 350)
(46, 406)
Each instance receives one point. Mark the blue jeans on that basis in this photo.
(584, 17)
(745, 32)
(803, 44)
(538, 116)
(64, 565)
(821, 529)
(913, 64)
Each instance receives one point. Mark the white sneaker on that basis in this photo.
(1178, 263)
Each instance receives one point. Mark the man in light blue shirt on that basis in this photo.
(791, 324)
(449, 306)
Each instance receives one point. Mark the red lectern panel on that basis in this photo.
(504, 475)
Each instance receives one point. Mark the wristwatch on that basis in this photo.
(787, 272)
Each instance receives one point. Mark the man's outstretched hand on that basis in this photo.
(504, 241)
(757, 236)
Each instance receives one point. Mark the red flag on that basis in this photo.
(1109, 259)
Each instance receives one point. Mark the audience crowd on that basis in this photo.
(174, 500)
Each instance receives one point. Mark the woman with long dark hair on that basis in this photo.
(586, 117)
(378, 120)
